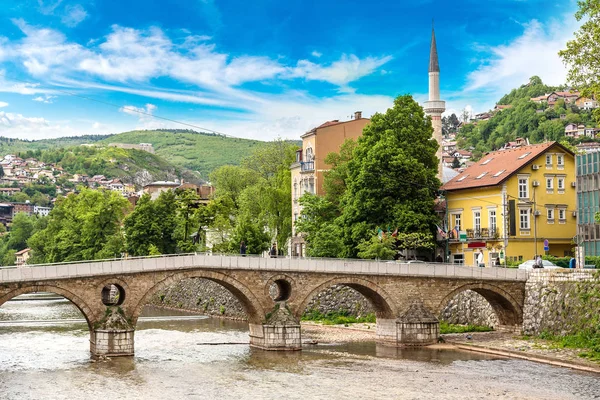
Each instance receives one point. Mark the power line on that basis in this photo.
(2, 73)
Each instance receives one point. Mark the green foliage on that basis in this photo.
(391, 176)
(252, 201)
(377, 248)
(445, 328)
(341, 317)
(321, 234)
(523, 120)
(84, 226)
(582, 54)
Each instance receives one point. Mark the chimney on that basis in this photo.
(358, 115)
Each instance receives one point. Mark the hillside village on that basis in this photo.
(568, 111)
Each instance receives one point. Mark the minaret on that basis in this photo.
(435, 107)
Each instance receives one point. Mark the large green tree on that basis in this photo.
(392, 176)
(83, 226)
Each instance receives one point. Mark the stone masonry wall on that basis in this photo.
(210, 298)
(561, 303)
(469, 307)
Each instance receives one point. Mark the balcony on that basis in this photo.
(482, 233)
(307, 166)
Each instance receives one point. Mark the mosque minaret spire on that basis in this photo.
(435, 107)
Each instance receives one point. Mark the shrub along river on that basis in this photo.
(44, 353)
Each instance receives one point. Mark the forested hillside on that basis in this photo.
(130, 165)
(525, 119)
(201, 152)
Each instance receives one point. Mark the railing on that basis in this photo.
(306, 166)
(482, 233)
(237, 262)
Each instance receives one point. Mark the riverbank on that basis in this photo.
(497, 343)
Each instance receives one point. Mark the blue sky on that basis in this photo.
(260, 69)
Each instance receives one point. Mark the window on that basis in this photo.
(562, 214)
(492, 219)
(549, 183)
(295, 191)
(309, 154)
(457, 221)
(550, 213)
(560, 160)
(477, 221)
(523, 188)
(549, 160)
(524, 218)
(487, 161)
(462, 178)
(499, 173)
(481, 175)
(560, 183)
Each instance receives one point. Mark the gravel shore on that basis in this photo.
(535, 349)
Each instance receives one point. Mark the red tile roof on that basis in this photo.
(496, 167)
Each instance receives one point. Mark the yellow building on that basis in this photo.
(307, 171)
(510, 202)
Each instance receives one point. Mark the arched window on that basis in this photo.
(309, 154)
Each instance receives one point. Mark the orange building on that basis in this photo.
(307, 171)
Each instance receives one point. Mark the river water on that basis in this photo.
(44, 354)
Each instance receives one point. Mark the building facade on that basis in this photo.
(511, 203)
(309, 168)
(588, 202)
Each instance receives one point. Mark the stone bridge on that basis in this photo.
(273, 291)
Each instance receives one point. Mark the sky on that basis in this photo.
(260, 69)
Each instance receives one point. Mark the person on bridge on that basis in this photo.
(497, 261)
(273, 252)
(572, 263)
(243, 248)
(480, 262)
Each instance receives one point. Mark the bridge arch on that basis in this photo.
(248, 300)
(87, 312)
(508, 311)
(381, 301)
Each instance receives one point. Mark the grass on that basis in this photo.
(585, 340)
(454, 328)
(342, 317)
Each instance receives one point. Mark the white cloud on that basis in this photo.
(75, 14)
(139, 111)
(3, 104)
(47, 7)
(341, 72)
(316, 54)
(535, 52)
(44, 99)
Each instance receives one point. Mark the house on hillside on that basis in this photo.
(571, 130)
(591, 132)
(155, 188)
(22, 257)
(500, 107)
(509, 202)
(586, 103)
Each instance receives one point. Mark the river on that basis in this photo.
(44, 354)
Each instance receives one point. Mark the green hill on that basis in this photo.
(130, 165)
(201, 152)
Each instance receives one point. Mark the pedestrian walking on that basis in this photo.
(480, 262)
(273, 252)
(243, 248)
(498, 261)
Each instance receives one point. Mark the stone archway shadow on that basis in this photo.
(381, 301)
(249, 302)
(508, 311)
(74, 299)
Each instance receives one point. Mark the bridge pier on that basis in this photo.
(113, 336)
(280, 331)
(415, 327)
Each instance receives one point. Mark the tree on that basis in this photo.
(582, 54)
(392, 176)
(377, 248)
(21, 229)
(83, 226)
